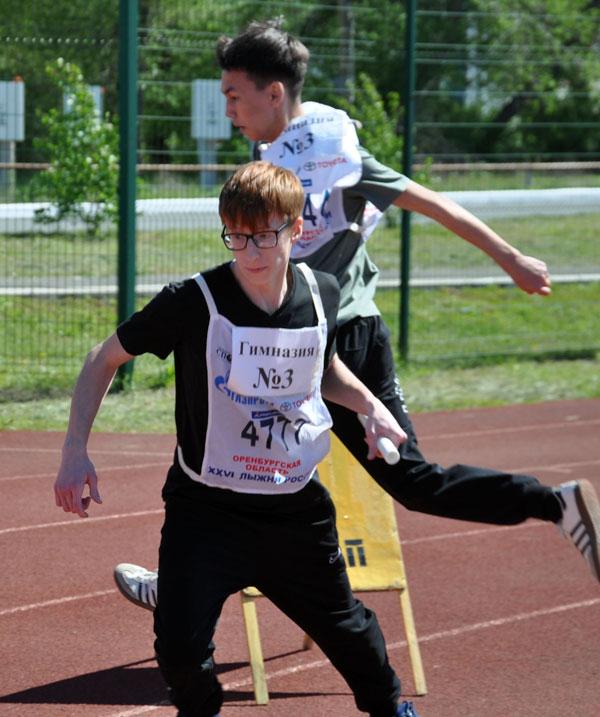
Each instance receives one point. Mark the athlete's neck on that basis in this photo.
(289, 112)
(268, 296)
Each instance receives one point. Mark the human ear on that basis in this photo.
(297, 230)
(276, 92)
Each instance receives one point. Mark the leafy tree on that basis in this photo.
(34, 34)
(501, 76)
(83, 152)
(550, 79)
(487, 70)
(379, 119)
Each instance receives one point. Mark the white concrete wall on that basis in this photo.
(162, 214)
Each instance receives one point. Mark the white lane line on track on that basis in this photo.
(112, 451)
(501, 621)
(472, 533)
(557, 467)
(509, 429)
(552, 467)
(142, 710)
(422, 435)
(81, 521)
(167, 457)
(140, 513)
(56, 601)
(100, 470)
(71, 598)
(454, 632)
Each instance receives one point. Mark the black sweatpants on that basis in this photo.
(461, 491)
(287, 547)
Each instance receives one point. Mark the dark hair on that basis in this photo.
(256, 191)
(267, 54)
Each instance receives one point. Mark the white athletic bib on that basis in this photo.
(321, 148)
(268, 427)
(265, 362)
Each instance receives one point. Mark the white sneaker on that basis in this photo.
(580, 522)
(137, 584)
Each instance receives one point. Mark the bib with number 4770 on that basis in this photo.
(268, 427)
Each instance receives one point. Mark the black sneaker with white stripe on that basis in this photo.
(580, 522)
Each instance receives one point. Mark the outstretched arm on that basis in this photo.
(341, 386)
(528, 273)
(76, 469)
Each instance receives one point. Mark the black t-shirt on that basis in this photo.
(177, 319)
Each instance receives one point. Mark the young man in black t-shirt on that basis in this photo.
(254, 347)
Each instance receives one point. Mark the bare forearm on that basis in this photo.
(89, 392)
(91, 387)
(76, 470)
(341, 386)
(528, 273)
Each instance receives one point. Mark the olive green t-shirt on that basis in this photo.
(345, 254)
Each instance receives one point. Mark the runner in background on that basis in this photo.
(346, 190)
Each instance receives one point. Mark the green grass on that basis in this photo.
(142, 410)
(168, 253)
(49, 339)
(470, 325)
(468, 346)
(502, 179)
(563, 242)
(509, 383)
(542, 360)
(449, 327)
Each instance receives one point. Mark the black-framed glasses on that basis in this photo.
(266, 239)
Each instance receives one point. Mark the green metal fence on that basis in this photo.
(59, 286)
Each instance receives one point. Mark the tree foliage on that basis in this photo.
(509, 76)
(35, 34)
(379, 120)
(82, 179)
(494, 77)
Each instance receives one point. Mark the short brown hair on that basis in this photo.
(256, 191)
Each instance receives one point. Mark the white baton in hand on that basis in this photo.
(386, 447)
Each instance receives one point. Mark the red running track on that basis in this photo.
(508, 618)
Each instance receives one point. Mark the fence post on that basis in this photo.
(128, 68)
(407, 161)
